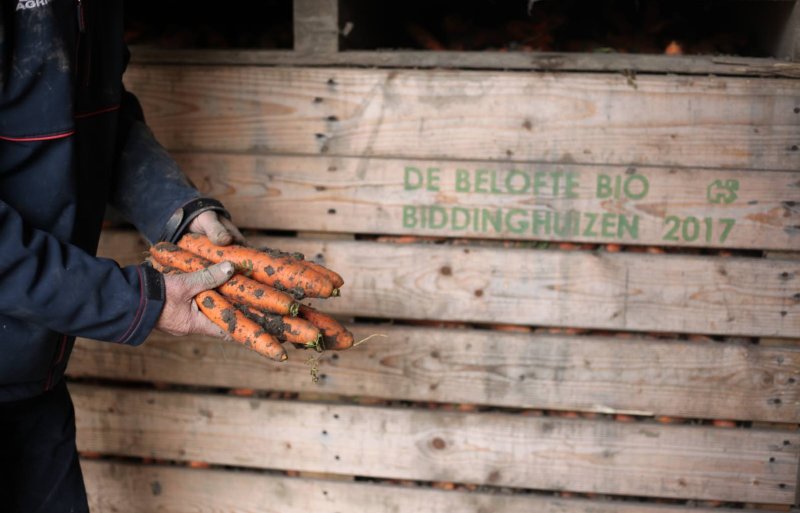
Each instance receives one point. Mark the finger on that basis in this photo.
(208, 224)
(238, 238)
(202, 326)
(209, 278)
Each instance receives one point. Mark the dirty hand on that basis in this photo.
(219, 229)
(180, 315)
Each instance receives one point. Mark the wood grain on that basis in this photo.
(670, 293)
(598, 374)
(391, 196)
(723, 65)
(438, 114)
(504, 450)
(128, 488)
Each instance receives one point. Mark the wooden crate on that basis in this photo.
(542, 350)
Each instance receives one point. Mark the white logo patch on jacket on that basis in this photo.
(31, 4)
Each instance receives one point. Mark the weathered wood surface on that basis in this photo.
(127, 488)
(498, 449)
(630, 205)
(439, 114)
(316, 26)
(606, 375)
(542, 61)
(788, 45)
(671, 293)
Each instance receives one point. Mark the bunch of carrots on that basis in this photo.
(259, 305)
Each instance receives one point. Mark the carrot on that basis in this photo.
(274, 269)
(334, 277)
(241, 329)
(334, 335)
(285, 329)
(510, 327)
(239, 288)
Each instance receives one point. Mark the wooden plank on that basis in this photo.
(542, 61)
(598, 374)
(639, 292)
(127, 488)
(316, 26)
(623, 204)
(486, 448)
(788, 46)
(438, 114)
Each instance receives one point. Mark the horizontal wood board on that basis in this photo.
(618, 204)
(128, 488)
(498, 449)
(668, 293)
(537, 61)
(440, 114)
(605, 375)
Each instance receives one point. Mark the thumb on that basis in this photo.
(209, 278)
(208, 223)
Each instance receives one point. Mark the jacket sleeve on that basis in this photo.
(58, 285)
(149, 187)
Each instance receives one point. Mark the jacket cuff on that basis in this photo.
(151, 302)
(183, 216)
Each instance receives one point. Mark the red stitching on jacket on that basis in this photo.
(38, 138)
(82, 115)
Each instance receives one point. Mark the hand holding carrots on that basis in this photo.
(255, 303)
(181, 314)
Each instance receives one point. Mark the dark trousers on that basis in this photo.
(39, 471)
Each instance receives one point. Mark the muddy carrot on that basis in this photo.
(286, 329)
(277, 270)
(241, 329)
(239, 288)
(334, 277)
(334, 335)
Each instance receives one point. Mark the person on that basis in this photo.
(71, 141)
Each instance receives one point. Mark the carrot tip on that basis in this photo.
(294, 309)
(336, 293)
(284, 357)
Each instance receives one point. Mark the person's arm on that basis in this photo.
(152, 192)
(60, 286)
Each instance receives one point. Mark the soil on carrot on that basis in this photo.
(229, 316)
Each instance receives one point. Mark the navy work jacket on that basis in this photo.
(71, 141)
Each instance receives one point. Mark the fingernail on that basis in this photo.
(227, 268)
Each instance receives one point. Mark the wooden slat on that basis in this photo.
(316, 26)
(435, 114)
(662, 206)
(127, 488)
(498, 449)
(646, 377)
(788, 45)
(543, 61)
(672, 293)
